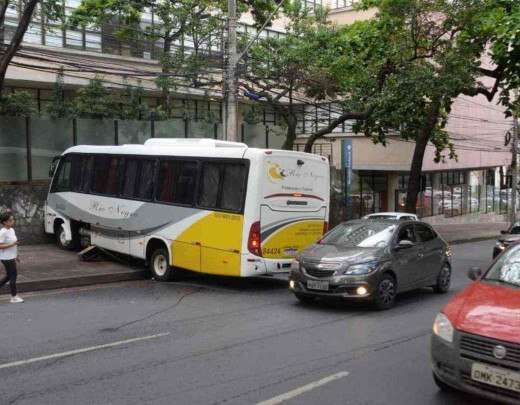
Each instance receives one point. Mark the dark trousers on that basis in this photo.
(10, 268)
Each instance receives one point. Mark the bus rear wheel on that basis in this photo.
(159, 265)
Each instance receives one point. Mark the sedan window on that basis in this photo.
(365, 234)
(506, 269)
(406, 233)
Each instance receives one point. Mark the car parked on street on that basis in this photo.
(507, 238)
(475, 344)
(399, 216)
(372, 261)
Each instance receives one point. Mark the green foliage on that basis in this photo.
(202, 21)
(294, 68)
(59, 108)
(132, 107)
(94, 101)
(18, 103)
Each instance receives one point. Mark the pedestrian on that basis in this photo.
(9, 253)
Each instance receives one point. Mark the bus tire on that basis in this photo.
(159, 266)
(61, 238)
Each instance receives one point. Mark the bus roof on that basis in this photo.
(196, 147)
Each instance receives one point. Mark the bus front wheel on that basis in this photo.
(61, 238)
(159, 265)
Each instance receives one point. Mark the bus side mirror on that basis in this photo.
(54, 165)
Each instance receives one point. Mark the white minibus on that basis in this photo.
(199, 204)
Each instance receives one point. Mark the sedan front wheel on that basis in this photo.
(386, 292)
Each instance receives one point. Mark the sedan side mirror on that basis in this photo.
(504, 232)
(474, 273)
(404, 244)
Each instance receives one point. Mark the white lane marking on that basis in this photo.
(305, 388)
(79, 351)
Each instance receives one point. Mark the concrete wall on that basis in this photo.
(26, 202)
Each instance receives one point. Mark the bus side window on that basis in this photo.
(223, 186)
(81, 173)
(138, 179)
(233, 188)
(209, 188)
(176, 181)
(106, 175)
(62, 178)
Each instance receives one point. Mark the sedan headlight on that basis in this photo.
(443, 328)
(500, 245)
(360, 269)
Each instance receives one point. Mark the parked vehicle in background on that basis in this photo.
(507, 238)
(400, 216)
(475, 345)
(199, 204)
(372, 261)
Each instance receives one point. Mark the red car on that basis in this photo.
(475, 345)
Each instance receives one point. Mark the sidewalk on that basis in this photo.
(460, 233)
(46, 267)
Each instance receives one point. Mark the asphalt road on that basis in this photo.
(220, 341)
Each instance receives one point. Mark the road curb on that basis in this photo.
(480, 239)
(82, 281)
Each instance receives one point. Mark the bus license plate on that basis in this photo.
(318, 285)
(498, 377)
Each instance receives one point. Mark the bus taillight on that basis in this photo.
(254, 243)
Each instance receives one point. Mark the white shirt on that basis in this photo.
(8, 236)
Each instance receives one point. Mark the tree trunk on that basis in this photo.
(166, 102)
(291, 133)
(9, 52)
(3, 9)
(414, 181)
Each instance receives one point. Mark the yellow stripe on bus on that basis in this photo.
(291, 239)
(211, 245)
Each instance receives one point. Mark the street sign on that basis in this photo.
(346, 161)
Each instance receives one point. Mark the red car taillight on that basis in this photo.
(254, 243)
(325, 227)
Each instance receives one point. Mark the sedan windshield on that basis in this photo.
(506, 269)
(365, 234)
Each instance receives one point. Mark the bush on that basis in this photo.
(19, 104)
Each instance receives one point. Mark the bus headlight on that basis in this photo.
(443, 328)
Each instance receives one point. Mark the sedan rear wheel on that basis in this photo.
(443, 280)
(386, 292)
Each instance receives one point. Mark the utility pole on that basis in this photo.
(230, 116)
(514, 165)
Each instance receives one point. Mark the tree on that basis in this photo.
(59, 108)
(283, 72)
(51, 9)
(18, 104)
(94, 101)
(196, 21)
(446, 42)
(430, 52)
